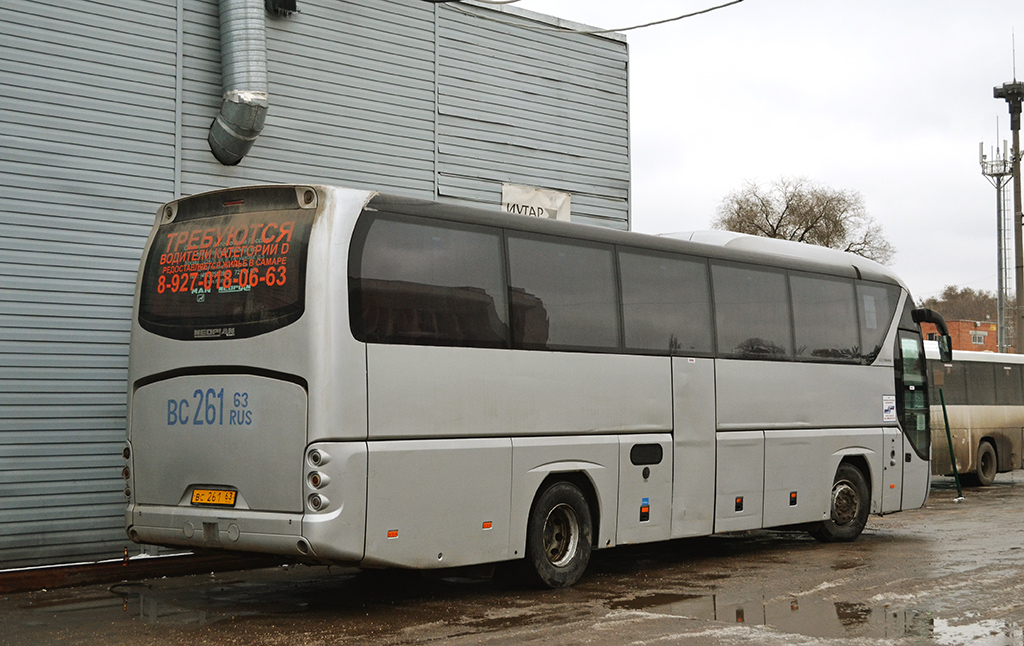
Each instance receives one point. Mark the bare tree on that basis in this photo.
(798, 209)
(964, 304)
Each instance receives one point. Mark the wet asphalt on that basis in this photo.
(950, 573)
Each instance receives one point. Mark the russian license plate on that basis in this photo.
(213, 497)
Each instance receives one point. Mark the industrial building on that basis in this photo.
(107, 110)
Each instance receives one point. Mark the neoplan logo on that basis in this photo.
(214, 333)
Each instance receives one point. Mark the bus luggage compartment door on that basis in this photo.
(739, 475)
(645, 488)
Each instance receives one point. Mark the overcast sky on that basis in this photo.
(889, 98)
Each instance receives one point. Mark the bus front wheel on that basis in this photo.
(849, 509)
(558, 536)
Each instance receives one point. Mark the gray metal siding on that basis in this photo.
(103, 117)
(86, 133)
(351, 98)
(535, 107)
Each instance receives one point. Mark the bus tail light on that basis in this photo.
(318, 480)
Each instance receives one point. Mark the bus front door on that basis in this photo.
(913, 413)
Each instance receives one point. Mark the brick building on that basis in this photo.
(980, 336)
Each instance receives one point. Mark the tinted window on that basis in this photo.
(1008, 385)
(825, 318)
(950, 379)
(752, 312)
(563, 294)
(666, 307)
(981, 384)
(427, 282)
(876, 305)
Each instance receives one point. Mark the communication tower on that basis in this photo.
(998, 169)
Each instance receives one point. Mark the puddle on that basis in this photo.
(653, 601)
(827, 619)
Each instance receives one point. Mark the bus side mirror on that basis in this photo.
(945, 342)
(945, 349)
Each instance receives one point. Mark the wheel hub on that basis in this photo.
(561, 535)
(845, 503)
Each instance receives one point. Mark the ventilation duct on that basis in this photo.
(243, 56)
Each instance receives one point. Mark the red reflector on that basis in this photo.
(234, 203)
(488, 524)
(392, 533)
(892, 486)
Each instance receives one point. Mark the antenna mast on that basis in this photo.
(998, 172)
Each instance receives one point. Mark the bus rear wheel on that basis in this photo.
(558, 536)
(849, 509)
(986, 471)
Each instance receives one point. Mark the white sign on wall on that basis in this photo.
(536, 202)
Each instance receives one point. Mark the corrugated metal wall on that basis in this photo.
(532, 106)
(86, 146)
(104, 113)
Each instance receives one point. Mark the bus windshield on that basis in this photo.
(234, 274)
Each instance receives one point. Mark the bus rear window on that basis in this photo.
(228, 275)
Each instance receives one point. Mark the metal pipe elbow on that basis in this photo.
(240, 121)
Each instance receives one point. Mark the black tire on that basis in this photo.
(985, 473)
(558, 537)
(851, 501)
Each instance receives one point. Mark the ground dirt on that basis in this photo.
(950, 573)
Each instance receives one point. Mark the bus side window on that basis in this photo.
(876, 304)
(563, 294)
(424, 282)
(666, 305)
(953, 384)
(752, 312)
(825, 319)
(1008, 385)
(981, 383)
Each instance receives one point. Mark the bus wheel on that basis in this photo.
(986, 471)
(850, 505)
(558, 536)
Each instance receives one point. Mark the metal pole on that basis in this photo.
(1013, 93)
(1018, 223)
(1001, 280)
(952, 453)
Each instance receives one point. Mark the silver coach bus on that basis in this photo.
(984, 395)
(340, 375)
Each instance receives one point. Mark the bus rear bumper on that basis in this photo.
(241, 530)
